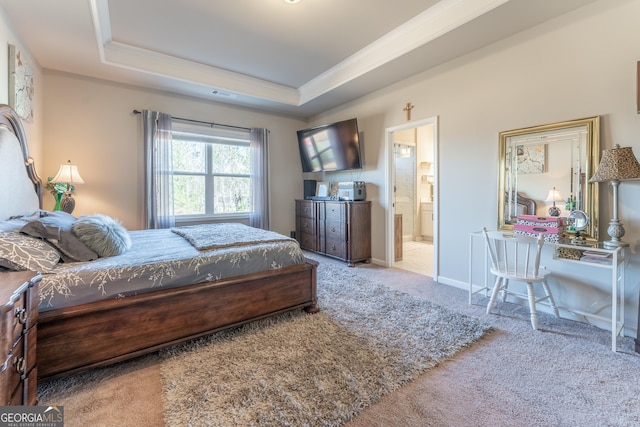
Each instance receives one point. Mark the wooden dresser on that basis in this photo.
(19, 316)
(339, 229)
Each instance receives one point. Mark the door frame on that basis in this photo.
(390, 175)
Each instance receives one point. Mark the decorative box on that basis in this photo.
(531, 225)
(543, 221)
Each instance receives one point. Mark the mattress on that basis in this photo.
(159, 259)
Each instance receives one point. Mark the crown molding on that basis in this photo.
(445, 16)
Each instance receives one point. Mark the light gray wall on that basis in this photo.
(578, 65)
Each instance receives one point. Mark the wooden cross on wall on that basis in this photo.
(408, 108)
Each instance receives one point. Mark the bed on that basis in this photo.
(168, 287)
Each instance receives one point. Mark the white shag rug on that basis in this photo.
(300, 369)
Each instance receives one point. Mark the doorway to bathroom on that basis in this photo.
(412, 185)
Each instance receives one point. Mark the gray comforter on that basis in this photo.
(160, 259)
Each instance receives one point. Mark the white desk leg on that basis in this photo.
(470, 266)
(622, 293)
(614, 303)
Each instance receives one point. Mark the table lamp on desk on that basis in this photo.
(617, 164)
(554, 196)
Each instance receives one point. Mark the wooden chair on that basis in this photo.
(517, 257)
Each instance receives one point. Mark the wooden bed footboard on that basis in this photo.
(77, 338)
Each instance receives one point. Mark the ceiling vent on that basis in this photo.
(223, 94)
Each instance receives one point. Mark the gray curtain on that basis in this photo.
(259, 178)
(158, 170)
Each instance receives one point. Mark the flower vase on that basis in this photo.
(58, 197)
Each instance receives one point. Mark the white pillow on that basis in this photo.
(102, 234)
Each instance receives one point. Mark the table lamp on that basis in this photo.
(617, 164)
(554, 196)
(69, 175)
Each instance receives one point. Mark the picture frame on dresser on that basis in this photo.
(334, 189)
(322, 189)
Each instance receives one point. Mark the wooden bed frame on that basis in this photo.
(77, 338)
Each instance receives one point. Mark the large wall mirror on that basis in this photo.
(539, 162)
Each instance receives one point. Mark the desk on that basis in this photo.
(602, 258)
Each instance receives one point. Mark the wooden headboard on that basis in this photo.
(21, 187)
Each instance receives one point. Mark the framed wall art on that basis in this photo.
(20, 84)
(531, 158)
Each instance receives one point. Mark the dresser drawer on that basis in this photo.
(17, 364)
(11, 371)
(307, 225)
(307, 241)
(306, 209)
(335, 247)
(334, 211)
(14, 320)
(18, 373)
(334, 230)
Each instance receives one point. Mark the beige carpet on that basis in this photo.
(562, 375)
(125, 394)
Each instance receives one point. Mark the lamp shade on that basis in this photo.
(554, 196)
(617, 164)
(68, 174)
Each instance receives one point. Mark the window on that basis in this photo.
(211, 172)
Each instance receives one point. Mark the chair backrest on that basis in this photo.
(514, 255)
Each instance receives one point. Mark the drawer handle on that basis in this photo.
(333, 229)
(21, 315)
(20, 365)
(333, 247)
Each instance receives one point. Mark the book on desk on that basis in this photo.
(596, 257)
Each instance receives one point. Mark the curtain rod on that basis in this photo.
(212, 124)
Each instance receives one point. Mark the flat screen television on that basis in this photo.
(331, 147)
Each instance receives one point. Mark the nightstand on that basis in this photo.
(18, 320)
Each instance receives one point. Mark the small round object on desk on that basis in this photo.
(578, 221)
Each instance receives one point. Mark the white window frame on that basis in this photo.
(209, 135)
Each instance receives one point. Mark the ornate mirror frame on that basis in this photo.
(535, 160)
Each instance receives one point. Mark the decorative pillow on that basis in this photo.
(20, 252)
(102, 234)
(71, 247)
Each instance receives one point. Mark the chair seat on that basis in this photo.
(519, 274)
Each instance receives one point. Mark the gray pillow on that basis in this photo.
(102, 234)
(71, 247)
(21, 252)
